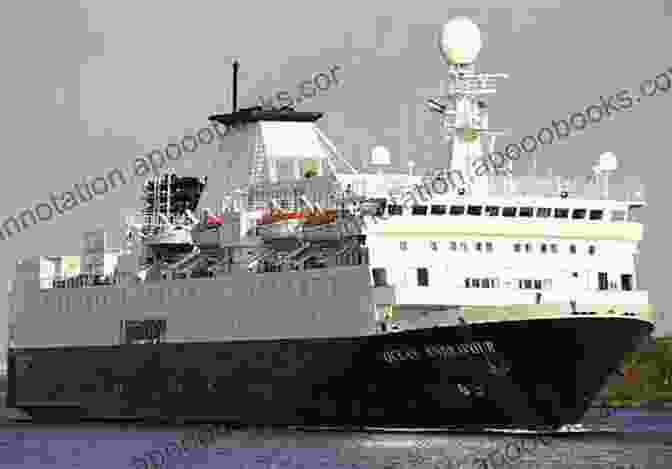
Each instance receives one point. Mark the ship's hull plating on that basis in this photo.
(534, 373)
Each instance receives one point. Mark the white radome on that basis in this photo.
(460, 41)
(380, 156)
(608, 162)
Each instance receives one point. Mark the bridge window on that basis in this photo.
(579, 214)
(474, 210)
(438, 210)
(403, 245)
(595, 215)
(561, 212)
(479, 246)
(488, 246)
(509, 211)
(419, 210)
(528, 247)
(433, 245)
(457, 210)
(543, 212)
(492, 210)
(516, 247)
(554, 248)
(453, 246)
(463, 246)
(544, 248)
(526, 212)
(591, 250)
(572, 248)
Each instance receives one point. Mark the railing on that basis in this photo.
(630, 189)
(75, 281)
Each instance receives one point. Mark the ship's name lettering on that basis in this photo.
(441, 351)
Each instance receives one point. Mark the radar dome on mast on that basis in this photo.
(460, 41)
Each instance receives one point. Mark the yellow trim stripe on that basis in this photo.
(597, 231)
(520, 312)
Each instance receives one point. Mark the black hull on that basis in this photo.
(542, 373)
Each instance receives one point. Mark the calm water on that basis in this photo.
(643, 445)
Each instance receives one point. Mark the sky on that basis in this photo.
(88, 86)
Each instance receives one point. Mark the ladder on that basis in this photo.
(259, 168)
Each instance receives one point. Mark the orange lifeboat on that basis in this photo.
(321, 217)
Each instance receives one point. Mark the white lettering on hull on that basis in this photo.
(438, 351)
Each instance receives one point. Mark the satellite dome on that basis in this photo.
(380, 155)
(608, 162)
(460, 41)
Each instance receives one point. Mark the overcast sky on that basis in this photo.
(89, 85)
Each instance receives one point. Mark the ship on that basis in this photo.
(290, 288)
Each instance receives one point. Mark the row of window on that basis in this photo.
(509, 212)
(481, 283)
(66, 302)
(487, 246)
(626, 281)
(523, 284)
(302, 287)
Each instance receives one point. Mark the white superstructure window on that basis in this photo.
(438, 210)
(617, 215)
(561, 213)
(492, 211)
(579, 214)
(423, 277)
(543, 212)
(456, 210)
(595, 215)
(419, 210)
(475, 210)
(525, 212)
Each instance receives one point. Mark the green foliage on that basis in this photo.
(655, 370)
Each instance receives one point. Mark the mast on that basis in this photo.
(464, 112)
(236, 66)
